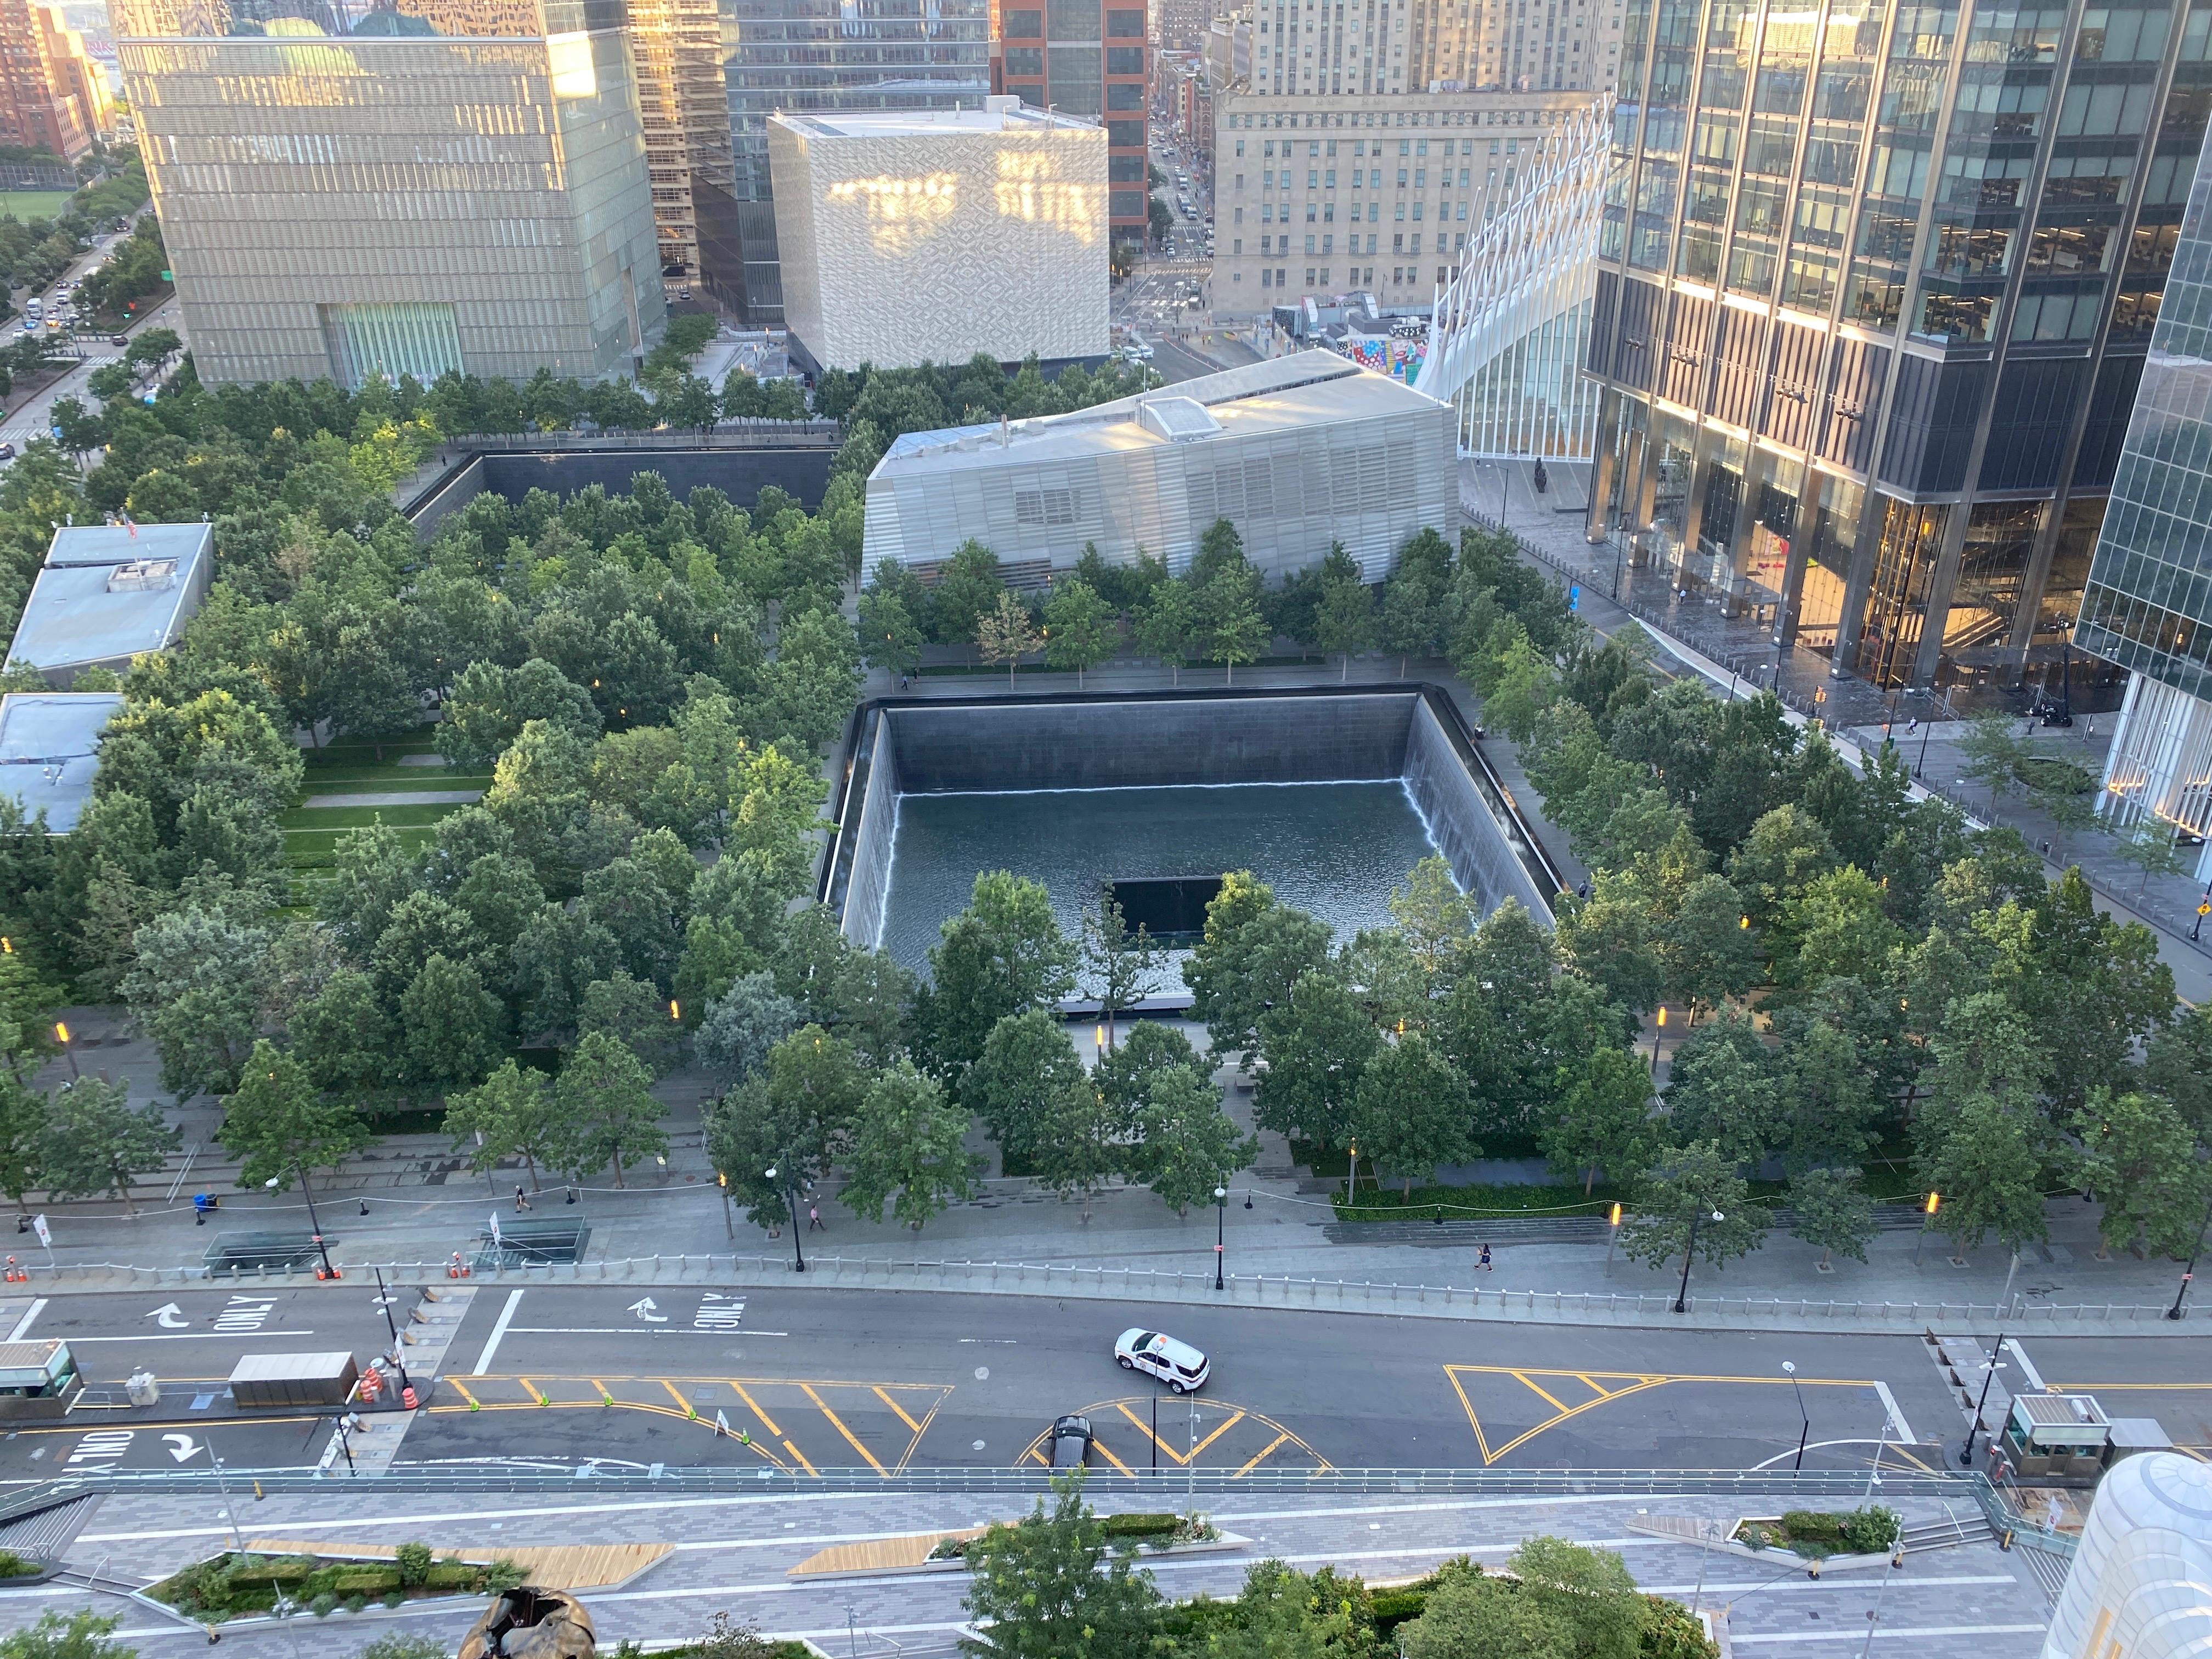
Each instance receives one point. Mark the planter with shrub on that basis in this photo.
(1818, 1534)
(232, 1585)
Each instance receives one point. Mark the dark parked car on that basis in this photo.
(119, 339)
(7, 451)
(1071, 1443)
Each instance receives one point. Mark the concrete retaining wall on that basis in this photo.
(1156, 739)
(801, 471)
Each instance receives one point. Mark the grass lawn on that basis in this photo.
(392, 779)
(311, 850)
(29, 204)
(308, 819)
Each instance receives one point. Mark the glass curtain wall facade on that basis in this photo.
(347, 189)
(1875, 283)
(2149, 607)
(678, 47)
(818, 57)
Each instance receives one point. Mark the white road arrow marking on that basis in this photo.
(171, 1316)
(643, 1308)
(182, 1446)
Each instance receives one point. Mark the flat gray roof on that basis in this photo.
(1001, 115)
(88, 606)
(49, 750)
(1310, 388)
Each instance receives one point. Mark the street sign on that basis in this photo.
(39, 1226)
(1574, 596)
(495, 1230)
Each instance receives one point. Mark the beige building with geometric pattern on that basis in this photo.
(353, 190)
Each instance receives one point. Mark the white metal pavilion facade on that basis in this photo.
(1511, 326)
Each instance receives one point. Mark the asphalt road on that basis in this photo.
(816, 1379)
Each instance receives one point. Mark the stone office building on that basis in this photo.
(1875, 285)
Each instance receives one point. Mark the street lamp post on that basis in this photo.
(1805, 1421)
(1974, 1427)
(1220, 1231)
(314, 1221)
(790, 1198)
(384, 1301)
(1682, 1295)
(2181, 1291)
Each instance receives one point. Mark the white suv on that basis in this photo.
(1178, 1365)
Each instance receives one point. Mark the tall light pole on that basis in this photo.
(2190, 1271)
(384, 1301)
(1682, 1295)
(790, 1198)
(1974, 1427)
(1805, 1421)
(314, 1221)
(1220, 1231)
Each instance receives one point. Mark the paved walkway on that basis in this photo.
(397, 798)
(735, 1554)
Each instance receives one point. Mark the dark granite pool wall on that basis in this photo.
(801, 471)
(1148, 739)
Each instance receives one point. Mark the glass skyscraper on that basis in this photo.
(800, 57)
(356, 188)
(1876, 281)
(2149, 603)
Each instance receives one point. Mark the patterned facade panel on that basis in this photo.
(916, 246)
(2098, 457)
(1932, 429)
(1639, 343)
(1689, 342)
(1854, 404)
(1604, 314)
(1797, 352)
(2040, 397)
(1739, 365)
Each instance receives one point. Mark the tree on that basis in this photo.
(1167, 627)
(907, 1139)
(277, 1124)
(2141, 1159)
(1078, 629)
(1229, 622)
(1344, 608)
(341, 1035)
(1436, 919)
(1116, 964)
(1698, 1180)
(196, 992)
(1723, 1089)
(1412, 1111)
(1470, 1616)
(1830, 1210)
(2150, 847)
(2178, 1065)
(1314, 1048)
(22, 1128)
(94, 1144)
(510, 1113)
(1992, 750)
(1006, 635)
(76, 1636)
(1003, 954)
(634, 1013)
(1603, 1120)
(742, 1026)
(889, 636)
(1047, 1587)
(1982, 1154)
(1589, 1591)
(607, 1108)
(1706, 952)
(1022, 1082)
(1251, 953)
(451, 1024)
(1190, 1144)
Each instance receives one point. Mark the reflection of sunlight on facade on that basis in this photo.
(901, 212)
(318, 58)
(1027, 191)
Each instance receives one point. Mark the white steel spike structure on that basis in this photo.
(1510, 329)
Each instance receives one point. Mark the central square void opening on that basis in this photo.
(1171, 908)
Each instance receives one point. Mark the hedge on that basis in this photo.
(1138, 1525)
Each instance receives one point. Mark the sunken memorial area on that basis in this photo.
(1330, 795)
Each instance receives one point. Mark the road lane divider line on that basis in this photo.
(1230, 1423)
(801, 1457)
(498, 1331)
(1259, 1456)
(676, 1395)
(1107, 1452)
(1545, 1395)
(921, 1429)
(838, 1423)
(23, 1325)
(1122, 1406)
(2034, 1377)
(754, 1406)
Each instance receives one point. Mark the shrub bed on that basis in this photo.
(1818, 1533)
(229, 1585)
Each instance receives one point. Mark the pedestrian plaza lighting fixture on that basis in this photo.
(1220, 1231)
(1690, 1249)
(1805, 1421)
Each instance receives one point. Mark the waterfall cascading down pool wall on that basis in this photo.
(1410, 733)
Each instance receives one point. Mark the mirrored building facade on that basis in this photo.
(1876, 281)
(354, 189)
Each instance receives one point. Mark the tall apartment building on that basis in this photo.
(1088, 57)
(1183, 23)
(52, 94)
(1875, 285)
(1324, 196)
(1309, 47)
(354, 191)
(685, 112)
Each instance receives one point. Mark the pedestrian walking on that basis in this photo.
(520, 1203)
(1483, 1260)
(814, 1220)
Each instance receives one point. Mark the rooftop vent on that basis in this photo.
(143, 576)
(1178, 420)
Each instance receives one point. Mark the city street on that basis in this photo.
(892, 1380)
(34, 418)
